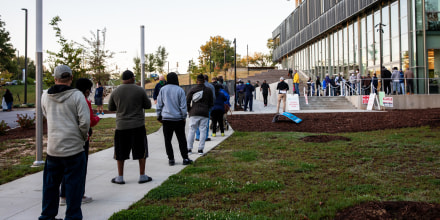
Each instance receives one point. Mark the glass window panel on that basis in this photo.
(404, 25)
(355, 41)
(370, 29)
(394, 22)
(403, 8)
(363, 32)
(395, 51)
(386, 51)
(405, 52)
(376, 50)
(432, 14)
(345, 44)
(385, 21)
(340, 48)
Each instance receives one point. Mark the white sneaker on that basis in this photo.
(86, 199)
(62, 201)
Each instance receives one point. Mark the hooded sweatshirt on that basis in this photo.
(395, 76)
(68, 120)
(171, 101)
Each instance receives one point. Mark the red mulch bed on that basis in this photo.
(337, 122)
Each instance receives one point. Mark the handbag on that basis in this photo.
(4, 104)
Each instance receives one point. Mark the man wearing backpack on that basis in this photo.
(198, 109)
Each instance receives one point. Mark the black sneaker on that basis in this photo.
(187, 161)
(208, 139)
(200, 152)
(189, 151)
(197, 139)
(171, 162)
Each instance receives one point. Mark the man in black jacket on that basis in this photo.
(199, 101)
(282, 88)
(386, 79)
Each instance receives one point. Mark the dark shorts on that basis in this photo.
(98, 100)
(134, 140)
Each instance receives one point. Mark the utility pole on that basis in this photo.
(25, 57)
(142, 57)
(380, 30)
(39, 87)
(235, 72)
(247, 57)
(189, 72)
(224, 62)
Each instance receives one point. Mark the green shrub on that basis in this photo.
(25, 121)
(3, 127)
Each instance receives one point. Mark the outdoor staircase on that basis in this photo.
(325, 103)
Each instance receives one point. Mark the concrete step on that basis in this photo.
(325, 102)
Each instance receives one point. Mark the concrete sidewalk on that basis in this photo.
(21, 199)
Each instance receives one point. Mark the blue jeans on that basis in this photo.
(207, 130)
(248, 102)
(297, 88)
(72, 169)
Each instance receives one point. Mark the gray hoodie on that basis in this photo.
(68, 120)
(395, 76)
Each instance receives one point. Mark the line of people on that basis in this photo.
(70, 118)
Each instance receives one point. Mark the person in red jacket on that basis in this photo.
(85, 86)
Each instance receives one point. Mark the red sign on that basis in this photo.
(365, 99)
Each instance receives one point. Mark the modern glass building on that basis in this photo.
(340, 36)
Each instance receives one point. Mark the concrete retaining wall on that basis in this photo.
(422, 101)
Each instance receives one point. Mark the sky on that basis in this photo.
(179, 26)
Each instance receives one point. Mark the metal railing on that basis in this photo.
(367, 86)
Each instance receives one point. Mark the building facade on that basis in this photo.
(339, 36)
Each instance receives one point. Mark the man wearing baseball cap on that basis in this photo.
(68, 122)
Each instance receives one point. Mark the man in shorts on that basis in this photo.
(129, 102)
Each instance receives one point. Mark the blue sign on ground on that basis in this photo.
(289, 116)
(292, 117)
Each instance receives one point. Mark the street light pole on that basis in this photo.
(235, 73)
(189, 72)
(380, 30)
(39, 87)
(25, 57)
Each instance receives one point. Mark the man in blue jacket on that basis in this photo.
(157, 88)
(248, 89)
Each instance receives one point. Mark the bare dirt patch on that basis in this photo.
(391, 210)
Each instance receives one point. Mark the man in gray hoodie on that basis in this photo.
(171, 112)
(68, 122)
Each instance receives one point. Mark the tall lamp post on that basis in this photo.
(25, 57)
(380, 30)
(235, 73)
(189, 72)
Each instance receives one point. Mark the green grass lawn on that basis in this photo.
(278, 176)
(17, 155)
(18, 93)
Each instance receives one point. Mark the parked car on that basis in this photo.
(13, 82)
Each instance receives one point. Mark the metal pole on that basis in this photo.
(247, 57)
(25, 57)
(189, 72)
(39, 87)
(143, 56)
(235, 72)
(224, 62)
